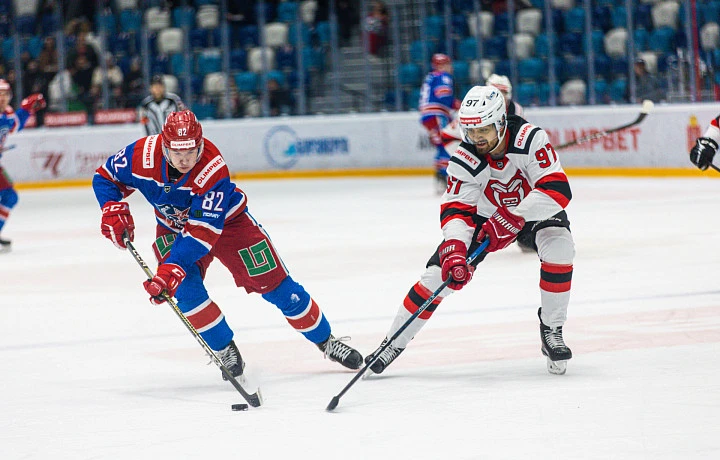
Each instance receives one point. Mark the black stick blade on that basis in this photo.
(333, 403)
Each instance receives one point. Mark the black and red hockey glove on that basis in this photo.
(454, 265)
(501, 229)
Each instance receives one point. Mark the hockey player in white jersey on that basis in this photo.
(504, 180)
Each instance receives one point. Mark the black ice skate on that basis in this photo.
(231, 359)
(386, 357)
(553, 346)
(5, 245)
(339, 352)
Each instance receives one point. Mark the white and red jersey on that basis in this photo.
(713, 131)
(529, 181)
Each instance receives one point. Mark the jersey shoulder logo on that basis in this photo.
(148, 152)
(522, 138)
(213, 166)
(467, 159)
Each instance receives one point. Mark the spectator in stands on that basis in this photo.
(647, 85)
(376, 25)
(115, 81)
(348, 20)
(48, 59)
(82, 73)
(83, 48)
(281, 102)
(33, 79)
(133, 85)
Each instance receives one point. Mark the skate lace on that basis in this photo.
(228, 356)
(337, 349)
(389, 354)
(554, 338)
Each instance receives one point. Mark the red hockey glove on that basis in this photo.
(167, 279)
(33, 103)
(116, 218)
(453, 264)
(501, 229)
(703, 152)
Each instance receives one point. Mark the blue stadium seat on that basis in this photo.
(502, 24)
(177, 64)
(642, 17)
(544, 93)
(183, 16)
(209, 62)
(248, 36)
(410, 74)
(462, 6)
(8, 49)
(557, 19)
(642, 38)
(124, 64)
(285, 58)
(196, 83)
(575, 67)
(597, 41)
(461, 72)
(503, 67)
(602, 91)
(322, 29)
(304, 31)
(662, 39)
(495, 48)
(25, 25)
(542, 45)
(662, 61)
(603, 66)
(313, 59)
(246, 82)
(601, 18)
(34, 46)
(467, 49)
(204, 111)
(618, 89)
(416, 51)
(532, 69)
(105, 21)
(130, 20)
(198, 39)
(238, 60)
(48, 24)
(160, 65)
(575, 20)
(619, 17)
(276, 75)
(413, 99)
(571, 43)
(287, 11)
(460, 25)
(435, 28)
(526, 93)
(619, 67)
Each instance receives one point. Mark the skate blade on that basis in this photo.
(556, 367)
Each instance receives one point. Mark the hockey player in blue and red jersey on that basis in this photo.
(437, 101)
(201, 215)
(12, 121)
(504, 180)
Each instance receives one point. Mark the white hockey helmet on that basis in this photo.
(502, 83)
(483, 106)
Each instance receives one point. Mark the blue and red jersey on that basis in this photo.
(11, 121)
(196, 206)
(436, 96)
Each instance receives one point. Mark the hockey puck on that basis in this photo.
(239, 407)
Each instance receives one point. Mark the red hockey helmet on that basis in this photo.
(182, 132)
(439, 60)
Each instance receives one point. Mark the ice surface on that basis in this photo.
(90, 370)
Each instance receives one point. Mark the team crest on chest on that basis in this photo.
(508, 193)
(174, 215)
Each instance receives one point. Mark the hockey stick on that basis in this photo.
(254, 399)
(336, 399)
(715, 167)
(647, 107)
